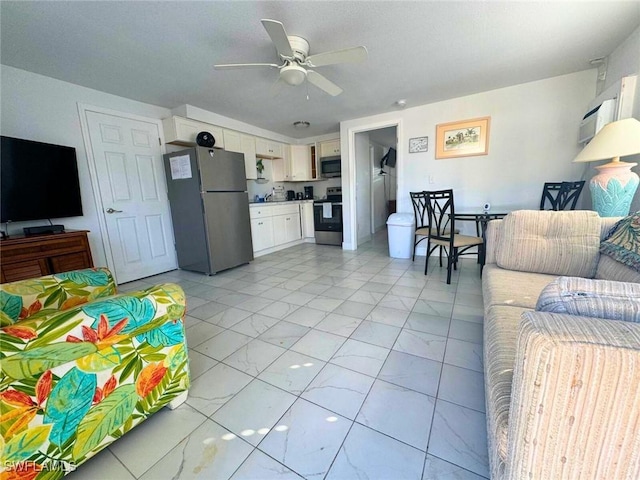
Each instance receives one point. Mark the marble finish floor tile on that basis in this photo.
(201, 332)
(255, 304)
(342, 325)
(397, 302)
(307, 317)
(254, 357)
(413, 372)
(459, 436)
(409, 420)
(135, 450)
(434, 308)
(389, 316)
(223, 344)
(372, 455)
(259, 466)
(284, 334)
(199, 364)
(464, 354)
(376, 333)
(467, 331)
(252, 420)
(363, 296)
(422, 322)
(361, 357)
(299, 297)
(421, 344)
(292, 372)
(353, 309)
(437, 469)
(216, 387)
(319, 344)
(102, 466)
(306, 439)
(340, 390)
(229, 317)
(254, 325)
(339, 292)
(209, 452)
(324, 303)
(463, 387)
(279, 309)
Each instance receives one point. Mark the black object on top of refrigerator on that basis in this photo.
(207, 191)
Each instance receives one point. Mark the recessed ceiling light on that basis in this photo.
(401, 103)
(301, 124)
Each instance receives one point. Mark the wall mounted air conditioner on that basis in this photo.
(595, 119)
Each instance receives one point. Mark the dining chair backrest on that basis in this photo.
(419, 201)
(441, 211)
(561, 195)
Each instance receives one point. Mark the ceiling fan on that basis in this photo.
(297, 63)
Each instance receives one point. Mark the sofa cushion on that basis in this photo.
(609, 269)
(592, 298)
(623, 242)
(560, 243)
(508, 287)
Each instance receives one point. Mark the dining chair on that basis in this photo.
(419, 201)
(561, 195)
(441, 217)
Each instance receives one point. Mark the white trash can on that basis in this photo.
(400, 228)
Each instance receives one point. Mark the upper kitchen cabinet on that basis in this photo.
(300, 161)
(330, 149)
(268, 148)
(183, 131)
(245, 144)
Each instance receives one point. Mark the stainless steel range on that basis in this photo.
(327, 217)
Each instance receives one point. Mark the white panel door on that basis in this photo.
(132, 189)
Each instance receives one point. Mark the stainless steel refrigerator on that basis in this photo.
(207, 190)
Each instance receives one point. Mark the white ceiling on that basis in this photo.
(163, 52)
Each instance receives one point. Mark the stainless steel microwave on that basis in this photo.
(330, 167)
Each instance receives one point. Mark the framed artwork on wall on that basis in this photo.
(466, 138)
(418, 144)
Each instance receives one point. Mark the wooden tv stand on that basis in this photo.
(23, 257)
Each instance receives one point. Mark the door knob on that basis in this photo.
(111, 210)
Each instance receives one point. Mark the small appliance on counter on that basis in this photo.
(278, 194)
(308, 193)
(299, 196)
(291, 195)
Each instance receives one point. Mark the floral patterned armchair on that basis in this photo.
(81, 366)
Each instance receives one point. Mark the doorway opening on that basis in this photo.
(376, 180)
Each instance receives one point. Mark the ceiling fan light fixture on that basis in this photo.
(301, 124)
(293, 74)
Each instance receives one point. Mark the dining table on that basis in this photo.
(481, 218)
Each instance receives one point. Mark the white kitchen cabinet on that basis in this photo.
(281, 167)
(245, 144)
(300, 163)
(330, 149)
(306, 219)
(232, 141)
(262, 233)
(274, 225)
(268, 148)
(183, 131)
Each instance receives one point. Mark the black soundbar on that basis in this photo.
(43, 229)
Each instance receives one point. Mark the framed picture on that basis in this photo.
(418, 144)
(466, 138)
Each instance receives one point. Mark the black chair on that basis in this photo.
(419, 200)
(561, 195)
(441, 214)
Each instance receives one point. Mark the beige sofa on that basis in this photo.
(562, 391)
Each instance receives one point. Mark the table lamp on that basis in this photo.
(612, 189)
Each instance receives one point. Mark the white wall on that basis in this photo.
(363, 187)
(46, 110)
(532, 141)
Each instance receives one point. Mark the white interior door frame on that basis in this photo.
(93, 171)
(352, 241)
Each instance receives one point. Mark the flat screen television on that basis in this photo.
(37, 181)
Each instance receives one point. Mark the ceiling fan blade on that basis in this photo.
(323, 83)
(348, 55)
(244, 65)
(278, 36)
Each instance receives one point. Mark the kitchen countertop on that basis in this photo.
(279, 202)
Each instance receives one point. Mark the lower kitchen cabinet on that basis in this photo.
(274, 225)
(306, 219)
